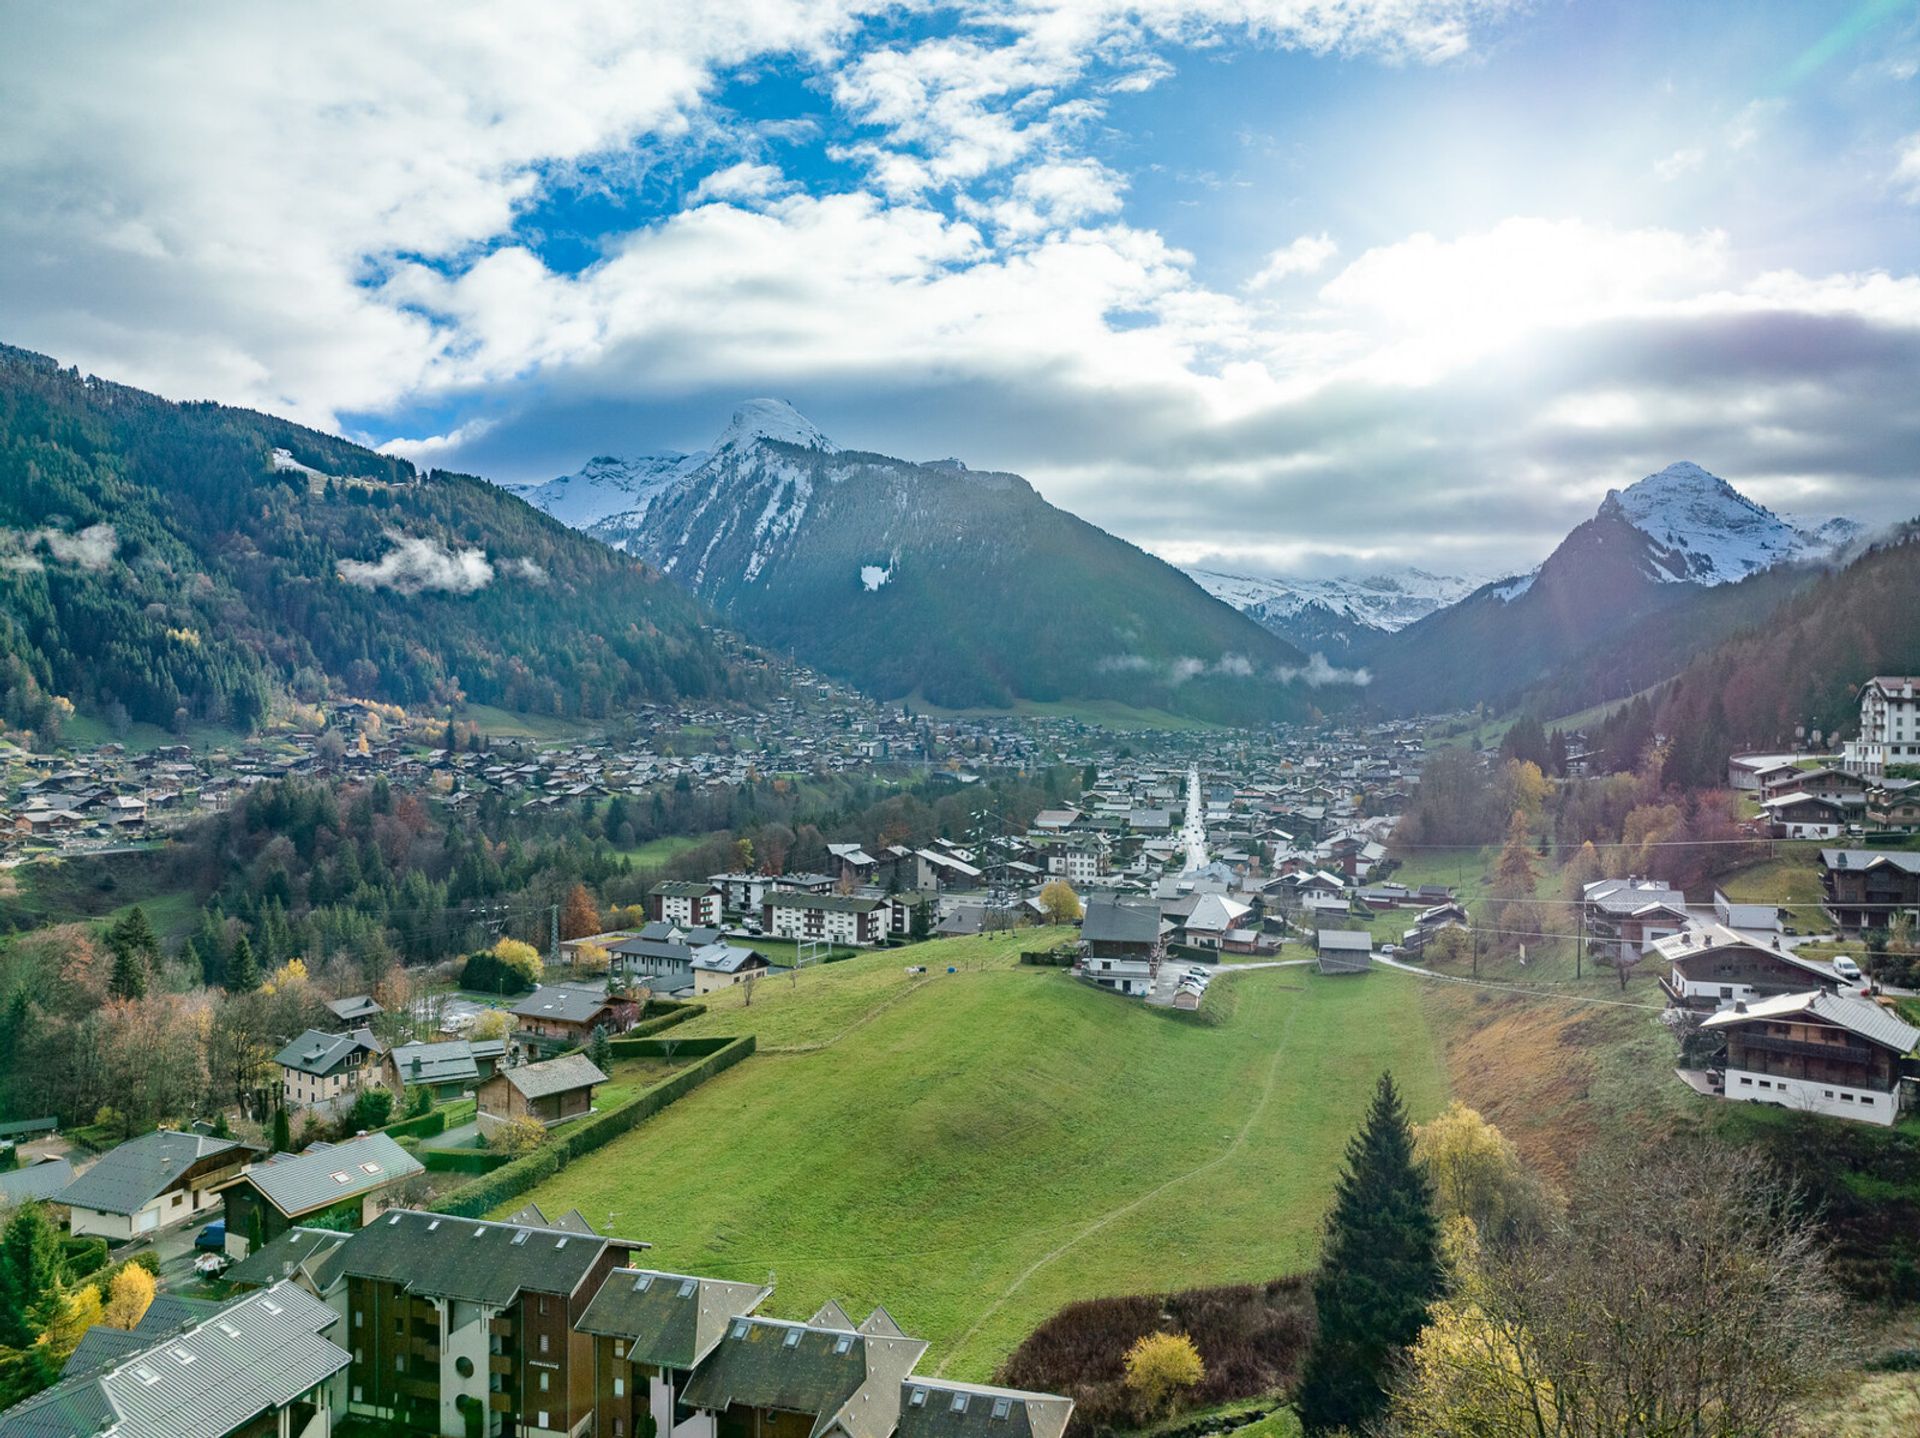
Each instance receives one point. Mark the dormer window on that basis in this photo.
(1002, 1407)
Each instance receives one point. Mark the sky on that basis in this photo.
(1286, 286)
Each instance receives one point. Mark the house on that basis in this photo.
(938, 870)
(448, 1068)
(1430, 923)
(341, 1184)
(850, 863)
(1344, 951)
(664, 965)
(1864, 888)
(267, 1363)
(944, 1408)
(1821, 1053)
(38, 1178)
(447, 1314)
(1889, 724)
(558, 1016)
(1800, 815)
(151, 1182)
(1893, 805)
(550, 1092)
(1717, 967)
(1120, 944)
(570, 948)
(1212, 918)
(650, 1331)
(1626, 917)
(837, 918)
(317, 1070)
(684, 902)
(721, 966)
(770, 1378)
(355, 1011)
(1755, 918)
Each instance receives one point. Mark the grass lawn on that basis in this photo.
(1003, 1140)
(783, 951)
(534, 728)
(1790, 879)
(655, 852)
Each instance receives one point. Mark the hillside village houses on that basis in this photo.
(539, 1328)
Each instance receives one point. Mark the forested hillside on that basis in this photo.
(185, 561)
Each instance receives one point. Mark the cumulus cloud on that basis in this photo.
(1317, 673)
(415, 565)
(91, 548)
(1305, 256)
(745, 181)
(527, 569)
(1906, 169)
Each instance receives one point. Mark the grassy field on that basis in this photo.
(534, 728)
(974, 1150)
(655, 852)
(1790, 879)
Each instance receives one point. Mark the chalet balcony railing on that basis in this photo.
(1800, 1048)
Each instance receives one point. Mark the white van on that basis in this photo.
(1847, 969)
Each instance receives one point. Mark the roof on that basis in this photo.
(451, 1061)
(941, 1408)
(561, 1075)
(728, 959)
(102, 1345)
(840, 1377)
(440, 1256)
(1346, 941)
(670, 1319)
(321, 1054)
(131, 1176)
(354, 1006)
(1217, 912)
(36, 1180)
(1712, 938)
(283, 1257)
(1907, 861)
(565, 1003)
(680, 889)
(832, 903)
(1110, 921)
(1868, 1020)
(322, 1177)
(256, 1353)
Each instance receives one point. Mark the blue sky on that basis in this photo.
(1280, 285)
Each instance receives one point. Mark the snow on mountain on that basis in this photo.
(1387, 601)
(609, 486)
(775, 419)
(1704, 531)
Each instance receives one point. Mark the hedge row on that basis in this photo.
(463, 1160)
(1049, 958)
(471, 1200)
(426, 1125)
(629, 1047)
(678, 1015)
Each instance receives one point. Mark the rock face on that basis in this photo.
(961, 587)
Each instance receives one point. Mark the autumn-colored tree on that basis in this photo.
(1477, 1174)
(76, 1311)
(1162, 1366)
(1582, 869)
(1513, 880)
(522, 958)
(742, 855)
(493, 1024)
(517, 1136)
(1059, 902)
(128, 1297)
(579, 915)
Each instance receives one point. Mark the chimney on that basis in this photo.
(1739, 1006)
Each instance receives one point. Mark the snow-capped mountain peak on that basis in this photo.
(774, 419)
(1385, 601)
(608, 485)
(1704, 531)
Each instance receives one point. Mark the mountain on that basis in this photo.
(191, 562)
(1642, 567)
(962, 588)
(1335, 616)
(607, 487)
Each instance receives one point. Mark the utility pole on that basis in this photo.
(1580, 944)
(553, 948)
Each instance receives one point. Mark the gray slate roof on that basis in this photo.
(131, 1176)
(1869, 1020)
(670, 1319)
(255, 1354)
(443, 1257)
(836, 1375)
(322, 1177)
(941, 1408)
(36, 1180)
(283, 1257)
(451, 1061)
(567, 1003)
(322, 1054)
(561, 1075)
(1110, 921)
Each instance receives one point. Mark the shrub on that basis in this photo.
(1162, 1366)
(517, 1136)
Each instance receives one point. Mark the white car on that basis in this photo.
(210, 1265)
(1847, 969)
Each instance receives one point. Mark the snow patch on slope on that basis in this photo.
(1386, 601)
(610, 488)
(774, 419)
(874, 576)
(1714, 533)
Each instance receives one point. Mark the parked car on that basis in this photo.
(1847, 969)
(212, 1238)
(209, 1265)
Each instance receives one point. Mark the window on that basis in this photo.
(1746, 1081)
(359, 1319)
(959, 1403)
(399, 1363)
(619, 1388)
(545, 1380)
(1002, 1407)
(918, 1398)
(543, 1343)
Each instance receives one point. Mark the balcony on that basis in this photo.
(499, 1363)
(1800, 1048)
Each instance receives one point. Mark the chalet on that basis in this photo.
(1212, 918)
(836, 918)
(1894, 805)
(1430, 924)
(267, 1363)
(451, 1315)
(1821, 1053)
(943, 1408)
(1121, 944)
(824, 1378)
(151, 1182)
(1800, 815)
(1344, 951)
(559, 1016)
(447, 1069)
(663, 965)
(1864, 888)
(850, 863)
(721, 966)
(650, 1331)
(319, 1070)
(343, 1185)
(550, 1093)
(684, 902)
(355, 1011)
(1717, 967)
(936, 869)
(1625, 918)
(1889, 724)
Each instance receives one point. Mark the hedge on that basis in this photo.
(471, 1200)
(83, 1256)
(629, 1047)
(678, 1015)
(425, 1125)
(1049, 958)
(463, 1160)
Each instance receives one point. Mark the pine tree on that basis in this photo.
(1380, 1272)
(129, 977)
(600, 1049)
(282, 1131)
(29, 1276)
(243, 974)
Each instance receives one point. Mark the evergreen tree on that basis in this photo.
(1380, 1271)
(600, 1049)
(129, 977)
(29, 1276)
(282, 1131)
(243, 974)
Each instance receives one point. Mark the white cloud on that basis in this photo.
(1306, 255)
(1681, 162)
(745, 181)
(91, 548)
(1318, 672)
(1906, 169)
(414, 565)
